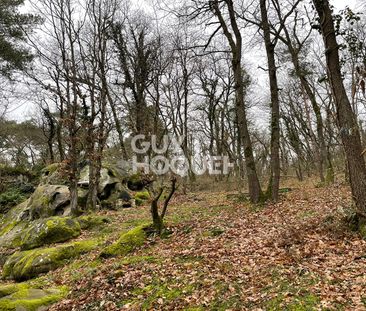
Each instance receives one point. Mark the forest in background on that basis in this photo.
(273, 90)
(103, 72)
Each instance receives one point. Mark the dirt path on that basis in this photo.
(226, 255)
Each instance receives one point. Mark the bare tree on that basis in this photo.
(349, 129)
(233, 35)
(270, 44)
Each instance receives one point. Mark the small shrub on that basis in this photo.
(10, 198)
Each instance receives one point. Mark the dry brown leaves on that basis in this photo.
(266, 259)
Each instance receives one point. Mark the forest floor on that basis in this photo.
(225, 254)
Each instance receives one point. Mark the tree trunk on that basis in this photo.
(349, 130)
(154, 210)
(255, 191)
(117, 125)
(274, 182)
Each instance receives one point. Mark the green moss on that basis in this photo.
(83, 268)
(39, 201)
(126, 243)
(53, 174)
(47, 199)
(360, 224)
(157, 291)
(164, 292)
(139, 202)
(227, 297)
(292, 296)
(141, 197)
(28, 264)
(12, 236)
(50, 169)
(44, 281)
(305, 302)
(6, 290)
(21, 296)
(49, 231)
(7, 228)
(213, 232)
(92, 221)
(284, 190)
(135, 178)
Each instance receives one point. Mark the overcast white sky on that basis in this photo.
(25, 110)
(340, 4)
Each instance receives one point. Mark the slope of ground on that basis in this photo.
(227, 255)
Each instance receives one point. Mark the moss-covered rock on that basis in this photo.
(7, 228)
(12, 235)
(14, 216)
(51, 168)
(5, 253)
(112, 191)
(53, 175)
(127, 242)
(92, 221)
(141, 197)
(12, 227)
(6, 290)
(28, 264)
(136, 182)
(48, 201)
(82, 196)
(49, 231)
(22, 297)
(118, 197)
(107, 180)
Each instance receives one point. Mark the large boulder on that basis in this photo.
(106, 177)
(25, 265)
(11, 227)
(49, 231)
(25, 225)
(48, 201)
(112, 192)
(22, 297)
(118, 197)
(127, 242)
(11, 238)
(138, 181)
(52, 175)
(108, 181)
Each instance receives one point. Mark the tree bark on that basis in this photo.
(347, 122)
(274, 183)
(255, 191)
